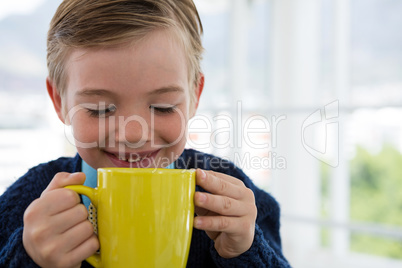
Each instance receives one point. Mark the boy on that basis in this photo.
(125, 74)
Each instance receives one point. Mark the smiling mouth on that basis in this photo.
(141, 159)
(134, 157)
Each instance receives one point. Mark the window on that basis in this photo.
(329, 84)
(29, 129)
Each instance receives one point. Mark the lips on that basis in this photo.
(133, 160)
(133, 157)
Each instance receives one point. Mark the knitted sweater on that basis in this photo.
(264, 252)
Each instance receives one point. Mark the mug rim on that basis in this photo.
(144, 170)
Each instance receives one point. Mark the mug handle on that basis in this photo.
(94, 260)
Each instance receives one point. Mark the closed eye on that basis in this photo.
(163, 109)
(102, 112)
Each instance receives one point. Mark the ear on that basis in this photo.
(198, 92)
(56, 99)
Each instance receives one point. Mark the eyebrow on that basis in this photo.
(167, 89)
(103, 92)
(94, 92)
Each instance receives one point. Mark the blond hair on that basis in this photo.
(104, 23)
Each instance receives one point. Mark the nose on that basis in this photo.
(133, 131)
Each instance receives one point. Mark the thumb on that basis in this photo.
(63, 179)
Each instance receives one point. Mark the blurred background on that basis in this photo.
(305, 96)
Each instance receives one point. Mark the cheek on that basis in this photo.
(85, 130)
(172, 129)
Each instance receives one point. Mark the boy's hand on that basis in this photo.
(227, 213)
(56, 230)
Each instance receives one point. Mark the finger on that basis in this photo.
(218, 224)
(84, 250)
(69, 218)
(226, 177)
(223, 176)
(77, 235)
(63, 179)
(74, 257)
(57, 201)
(220, 185)
(222, 205)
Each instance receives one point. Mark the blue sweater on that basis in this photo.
(264, 252)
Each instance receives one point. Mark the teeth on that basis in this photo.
(133, 158)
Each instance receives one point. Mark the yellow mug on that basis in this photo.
(144, 216)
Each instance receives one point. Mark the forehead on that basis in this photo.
(155, 60)
(153, 42)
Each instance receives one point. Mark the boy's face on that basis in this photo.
(128, 106)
